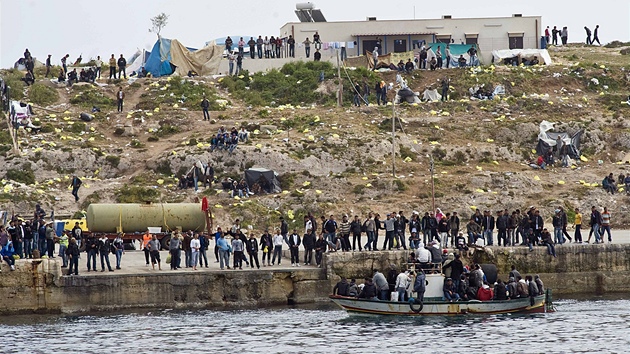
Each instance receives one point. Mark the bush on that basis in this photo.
(24, 175)
(42, 95)
(76, 127)
(113, 160)
(90, 97)
(137, 194)
(12, 78)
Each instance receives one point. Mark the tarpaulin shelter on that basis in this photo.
(456, 51)
(523, 54)
(266, 179)
(548, 140)
(139, 61)
(169, 56)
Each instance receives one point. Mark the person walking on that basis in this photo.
(104, 248)
(73, 257)
(112, 67)
(446, 83)
(195, 246)
(119, 247)
(588, 35)
(76, 184)
(122, 64)
(120, 96)
(231, 60)
(596, 36)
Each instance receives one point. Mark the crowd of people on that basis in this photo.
(228, 140)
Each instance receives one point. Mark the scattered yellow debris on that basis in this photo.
(364, 178)
(318, 191)
(160, 181)
(490, 140)
(536, 178)
(561, 182)
(368, 185)
(306, 183)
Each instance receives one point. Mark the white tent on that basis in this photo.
(528, 54)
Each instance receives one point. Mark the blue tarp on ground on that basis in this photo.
(159, 62)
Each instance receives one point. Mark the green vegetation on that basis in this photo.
(23, 175)
(113, 160)
(137, 194)
(77, 127)
(13, 79)
(42, 95)
(90, 96)
(295, 83)
(180, 91)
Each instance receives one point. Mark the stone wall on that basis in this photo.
(36, 286)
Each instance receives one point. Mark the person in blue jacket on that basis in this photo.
(7, 253)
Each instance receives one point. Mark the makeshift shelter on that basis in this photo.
(456, 51)
(406, 95)
(498, 56)
(139, 61)
(431, 95)
(20, 64)
(169, 56)
(548, 140)
(266, 179)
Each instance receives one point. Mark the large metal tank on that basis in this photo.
(137, 217)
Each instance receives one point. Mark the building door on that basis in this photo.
(400, 45)
(368, 45)
(516, 42)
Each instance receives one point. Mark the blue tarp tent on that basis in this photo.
(159, 61)
(456, 51)
(170, 56)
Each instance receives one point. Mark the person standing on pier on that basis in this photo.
(145, 243)
(154, 248)
(195, 246)
(266, 245)
(175, 251)
(224, 250)
(578, 226)
(203, 248)
(294, 244)
(308, 240)
(104, 248)
(91, 247)
(119, 246)
(73, 256)
(237, 248)
(252, 250)
(277, 247)
(320, 248)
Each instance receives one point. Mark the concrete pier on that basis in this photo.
(38, 286)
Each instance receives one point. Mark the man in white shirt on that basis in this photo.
(402, 283)
(277, 247)
(424, 256)
(195, 245)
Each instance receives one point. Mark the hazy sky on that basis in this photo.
(93, 28)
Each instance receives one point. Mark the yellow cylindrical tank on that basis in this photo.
(137, 217)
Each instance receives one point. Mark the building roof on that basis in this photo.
(393, 34)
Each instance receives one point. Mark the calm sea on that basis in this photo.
(579, 326)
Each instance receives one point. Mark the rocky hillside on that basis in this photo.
(329, 159)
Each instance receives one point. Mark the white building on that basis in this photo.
(404, 35)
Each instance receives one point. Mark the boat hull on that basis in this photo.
(440, 308)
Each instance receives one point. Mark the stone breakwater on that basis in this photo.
(37, 286)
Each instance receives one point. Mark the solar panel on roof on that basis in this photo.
(317, 15)
(303, 16)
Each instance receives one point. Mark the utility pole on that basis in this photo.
(394, 139)
(340, 91)
(432, 169)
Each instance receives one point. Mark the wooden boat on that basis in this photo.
(435, 305)
(356, 306)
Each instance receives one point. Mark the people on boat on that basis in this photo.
(500, 290)
(532, 287)
(382, 286)
(485, 293)
(521, 287)
(450, 291)
(423, 256)
(341, 288)
(402, 284)
(420, 286)
(369, 290)
(539, 283)
(512, 288)
(353, 289)
(462, 288)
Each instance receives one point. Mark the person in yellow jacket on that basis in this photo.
(63, 246)
(578, 226)
(145, 242)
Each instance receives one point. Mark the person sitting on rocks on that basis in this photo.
(609, 184)
(28, 78)
(72, 77)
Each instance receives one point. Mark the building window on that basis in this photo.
(400, 45)
(516, 42)
(443, 39)
(471, 38)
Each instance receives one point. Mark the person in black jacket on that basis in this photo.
(252, 250)
(104, 247)
(294, 245)
(500, 290)
(457, 269)
(488, 227)
(377, 226)
(91, 248)
(266, 243)
(76, 184)
(355, 228)
(368, 291)
(320, 248)
(122, 65)
(341, 288)
(309, 244)
(502, 225)
(73, 256)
